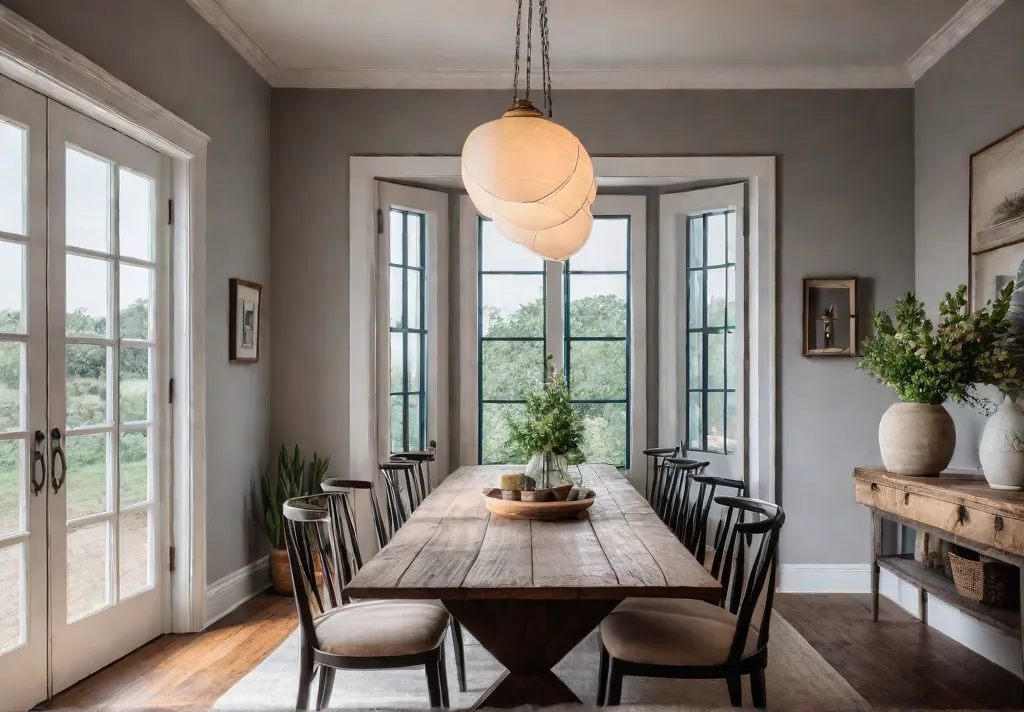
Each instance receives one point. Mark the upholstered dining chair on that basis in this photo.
(339, 634)
(681, 638)
(655, 458)
(346, 487)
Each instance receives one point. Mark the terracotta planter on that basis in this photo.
(1001, 461)
(916, 439)
(280, 572)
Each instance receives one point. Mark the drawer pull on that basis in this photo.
(999, 524)
(874, 487)
(962, 516)
(906, 498)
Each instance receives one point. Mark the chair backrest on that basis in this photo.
(393, 474)
(655, 457)
(348, 488)
(754, 524)
(322, 553)
(695, 535)
(420, 485)
(675, 509)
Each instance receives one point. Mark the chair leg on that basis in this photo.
(305, 676)
(602, 677)
(757, 689)
(442, 672)
(460, 658)
(323, 695)
(735, 683)
(614, 682)
(433, 683)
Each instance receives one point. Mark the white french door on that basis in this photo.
(85, 327)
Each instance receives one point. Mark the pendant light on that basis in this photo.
(529, 175)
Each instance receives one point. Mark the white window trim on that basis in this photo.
(33, 58)
(759, 171)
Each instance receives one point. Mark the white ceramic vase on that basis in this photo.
(1001, 461)
(916, 438)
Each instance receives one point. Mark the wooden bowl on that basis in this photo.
(544, 511)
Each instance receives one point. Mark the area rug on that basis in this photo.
(797, 679)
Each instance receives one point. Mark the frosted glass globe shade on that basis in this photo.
(578, 191)
(556, 243)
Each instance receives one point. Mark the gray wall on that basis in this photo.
(973, 96)
(165, 50)
(846, 185)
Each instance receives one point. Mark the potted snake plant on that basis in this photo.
(294, 479)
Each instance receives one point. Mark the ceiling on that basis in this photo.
(651, 44)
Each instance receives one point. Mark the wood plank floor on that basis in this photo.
(896, 663)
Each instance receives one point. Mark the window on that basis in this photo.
(511, 344)
(408, 325)
(597, 343)
(711, 323)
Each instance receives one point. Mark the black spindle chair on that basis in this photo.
(421, 485)
(655, 458)
(686, 639)
(383, 538)
(676, 508)
(398, 507)
(695, 533)
(340, 635)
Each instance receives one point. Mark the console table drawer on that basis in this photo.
(987, 529)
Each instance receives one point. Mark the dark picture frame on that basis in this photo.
(245, 301)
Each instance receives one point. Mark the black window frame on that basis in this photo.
(480, 272)
(704, 331)
(568, 338)
(405, 330)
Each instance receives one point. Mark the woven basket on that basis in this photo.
(989, 582)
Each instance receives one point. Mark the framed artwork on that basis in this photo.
(997, 216)
(830, 316)
(244, 299)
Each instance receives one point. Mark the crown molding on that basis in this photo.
(626, 78)
(213, 13)
(949, 35)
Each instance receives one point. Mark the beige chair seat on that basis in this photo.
(666, 631)
(374, 629)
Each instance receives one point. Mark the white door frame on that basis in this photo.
(33, 58)
(759, 171)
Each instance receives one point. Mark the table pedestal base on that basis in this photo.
(529, 637)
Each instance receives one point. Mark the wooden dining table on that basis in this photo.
(530, 591)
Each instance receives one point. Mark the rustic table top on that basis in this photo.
(452, 547)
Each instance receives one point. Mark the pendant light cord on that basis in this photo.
(519, 32)
(529, 47)
(545, 48)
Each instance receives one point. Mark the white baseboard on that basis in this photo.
(228, 593)
(825, 578)
(986, 641)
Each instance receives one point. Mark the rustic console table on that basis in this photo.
(959, 507)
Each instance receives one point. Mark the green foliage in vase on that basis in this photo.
(1009, 208)
(294, 479)
(924, 364)
(549, 422)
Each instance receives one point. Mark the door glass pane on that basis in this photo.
(513, 304)
(415, 310)
(88, 568)
(12, 490)
(86, 482)
(597, 370)
(134, 464)
(133, 551)
(86, 385)
(730, 226)
(695, 296)
(136, 221)
(716, 239)
(136, 292)
(395, 230)
(13, 179)
(605, 437)
(12, 598)
(12, 287)
(696, 426)
(696, 240)
(415, 422)
(597, 305)
(716, 422)
(397, 363)
(395, 297)
(12, 397)
(716, 297)
(415, 235)
(87, 296)
(730, 295)
(495, 417)
(732, 420)
(695, 354)
(716, 360)
(87, 201)
(511, 368)
(415, 376)
(134, 384)
(397, 423)
(606, 249)
(730, 364)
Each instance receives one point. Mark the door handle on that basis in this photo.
(55, 452)
(38, 459)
